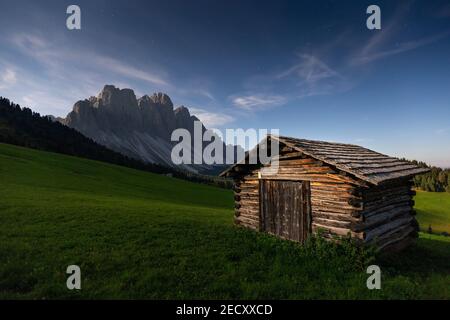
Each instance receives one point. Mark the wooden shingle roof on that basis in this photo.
(365, 164)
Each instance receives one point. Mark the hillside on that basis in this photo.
(433, 208)
(140, 235)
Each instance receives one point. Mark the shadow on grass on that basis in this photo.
(426, 257)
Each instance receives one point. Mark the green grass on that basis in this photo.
(139, 235)
(433, 208)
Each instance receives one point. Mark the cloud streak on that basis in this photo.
(258, 101)
(311, 76)
(370, 52)
(128, 71)
(307, 76)
(211, 119)
(88, 71)
(310, 69)
(8, 78)
(442, 131)
(380, 46)
(57, 59)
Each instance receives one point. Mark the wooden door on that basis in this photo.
(285, 208)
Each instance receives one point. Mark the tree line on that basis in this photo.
(24, 127)
(437, 180)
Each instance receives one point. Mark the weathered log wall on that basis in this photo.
(341, 204)
(388, 215)
(335, 206)
(246, 196)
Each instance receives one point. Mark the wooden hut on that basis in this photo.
(337, 188)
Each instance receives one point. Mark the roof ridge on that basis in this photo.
(317, 141)
(338, 156)
(335, 143)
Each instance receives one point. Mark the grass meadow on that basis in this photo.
(140, 235)
(433, 209)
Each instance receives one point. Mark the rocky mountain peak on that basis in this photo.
(115, 97)
(82, 106)
(139, 128)
(182, 112)
(183, 118)
(162, 99)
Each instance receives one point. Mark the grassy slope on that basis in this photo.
(433, 208)
(140, 235)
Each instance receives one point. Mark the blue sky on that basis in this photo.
(309, 68)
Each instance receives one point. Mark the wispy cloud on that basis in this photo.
(311, 76)
(57, 58)
(58, 75)
(88, 70)
(8, 78)
(258, 101)
(442, 131)
(200, 90)
(38, 97)
(307, 76)
(309, 69)
(203, 92)
(376, 49)
(383, 43)
(211, 119)
(126, 70)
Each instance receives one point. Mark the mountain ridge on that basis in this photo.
(140, 128)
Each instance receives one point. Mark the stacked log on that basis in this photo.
(246, 196)
(341, 204)
(388, 215)
(335, 200)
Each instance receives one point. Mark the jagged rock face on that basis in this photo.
(183, 119)
(157, 115)
(139, 128)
